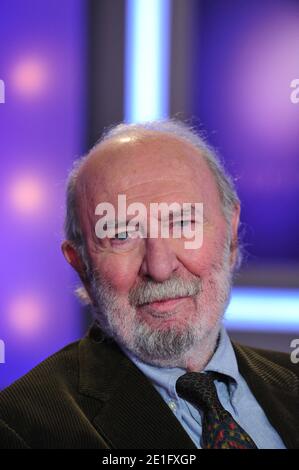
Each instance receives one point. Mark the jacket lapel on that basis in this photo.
(276, 389)
(132, 415)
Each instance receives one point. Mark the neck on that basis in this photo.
(197, 360)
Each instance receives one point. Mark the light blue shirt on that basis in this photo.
(235, 396)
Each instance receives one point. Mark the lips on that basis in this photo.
(165, 304)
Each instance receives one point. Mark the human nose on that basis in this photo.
(159, 260)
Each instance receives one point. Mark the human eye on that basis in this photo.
(121, 237)
(184, 222)
(124, 240)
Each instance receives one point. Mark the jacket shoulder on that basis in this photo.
(59, 366)
(31, 401)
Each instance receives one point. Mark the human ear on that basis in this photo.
(72, 256)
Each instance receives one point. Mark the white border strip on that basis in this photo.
(147, 59)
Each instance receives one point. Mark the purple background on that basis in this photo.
(42, 62)
(244, 56)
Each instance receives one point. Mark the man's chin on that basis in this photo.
(163, 345)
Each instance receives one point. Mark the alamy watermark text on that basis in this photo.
(2, 92)
(2, 352)
(294, 96)
(173, 220)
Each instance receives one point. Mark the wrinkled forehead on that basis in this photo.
(147, 168)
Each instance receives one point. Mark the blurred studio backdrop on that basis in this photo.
(69, 68)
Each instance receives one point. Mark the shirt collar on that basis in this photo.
(223, 361)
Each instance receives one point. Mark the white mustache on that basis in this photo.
(151, 291)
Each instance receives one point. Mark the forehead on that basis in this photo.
(146, 168)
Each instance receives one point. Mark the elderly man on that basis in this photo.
(157, 369)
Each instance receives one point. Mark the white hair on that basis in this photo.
(170, 127)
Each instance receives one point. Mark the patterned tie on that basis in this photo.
(219, 429)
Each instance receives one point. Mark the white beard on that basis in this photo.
(172, 346)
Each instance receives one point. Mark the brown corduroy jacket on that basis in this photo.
(90, 395)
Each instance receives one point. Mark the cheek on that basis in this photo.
(201, 261)
(120, 271)
(195, 262)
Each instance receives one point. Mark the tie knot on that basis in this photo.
(198, 388)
